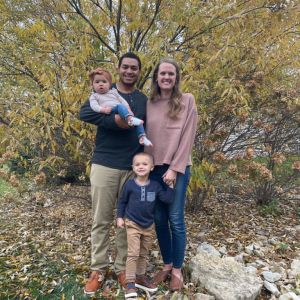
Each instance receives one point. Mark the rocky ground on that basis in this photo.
(45, 241)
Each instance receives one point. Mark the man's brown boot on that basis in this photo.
(94, 283)
(122, 279)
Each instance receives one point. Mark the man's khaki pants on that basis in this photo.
(106, 186)
(140, 241)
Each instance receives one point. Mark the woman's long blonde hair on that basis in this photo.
(175, 104)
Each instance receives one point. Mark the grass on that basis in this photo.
(6, 188)
(69, 288)
(49, 282)
(270, 209)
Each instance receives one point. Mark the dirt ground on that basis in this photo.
(54, 226)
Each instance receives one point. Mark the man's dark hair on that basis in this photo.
(130, 55)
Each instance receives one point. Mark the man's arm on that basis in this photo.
(111, 121)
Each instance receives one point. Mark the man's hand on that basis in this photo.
(120, 223)
(120, 122)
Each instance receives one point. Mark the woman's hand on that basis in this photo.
(120, 223)
(170, 178)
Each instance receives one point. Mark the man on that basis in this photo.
(115, 146)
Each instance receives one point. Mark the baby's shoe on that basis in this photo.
(144, 141)
(133, 121)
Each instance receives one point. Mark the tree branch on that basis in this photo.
(80, 13)
(196, 34)
(157, 6)
(118, 26)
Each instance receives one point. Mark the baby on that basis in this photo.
(106, 101)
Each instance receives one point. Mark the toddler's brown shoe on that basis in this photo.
(144, 283)
(130, 291)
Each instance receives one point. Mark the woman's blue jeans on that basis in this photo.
(169, 219)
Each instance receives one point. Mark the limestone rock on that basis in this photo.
(271, 287)
(223, 250)
(271, 276)
(249, 249)
(277, 268)
(295, 267)
(289, 296)
(209, 249)
(239, 258)
(224, 279)
(200, 296)
(251, 269)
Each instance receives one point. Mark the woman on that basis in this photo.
(171, 126)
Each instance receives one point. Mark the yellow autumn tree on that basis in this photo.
(235, 56)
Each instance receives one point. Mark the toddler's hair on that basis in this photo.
(99, 71)
(144, 154)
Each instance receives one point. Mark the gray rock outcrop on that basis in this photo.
(224, 278)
